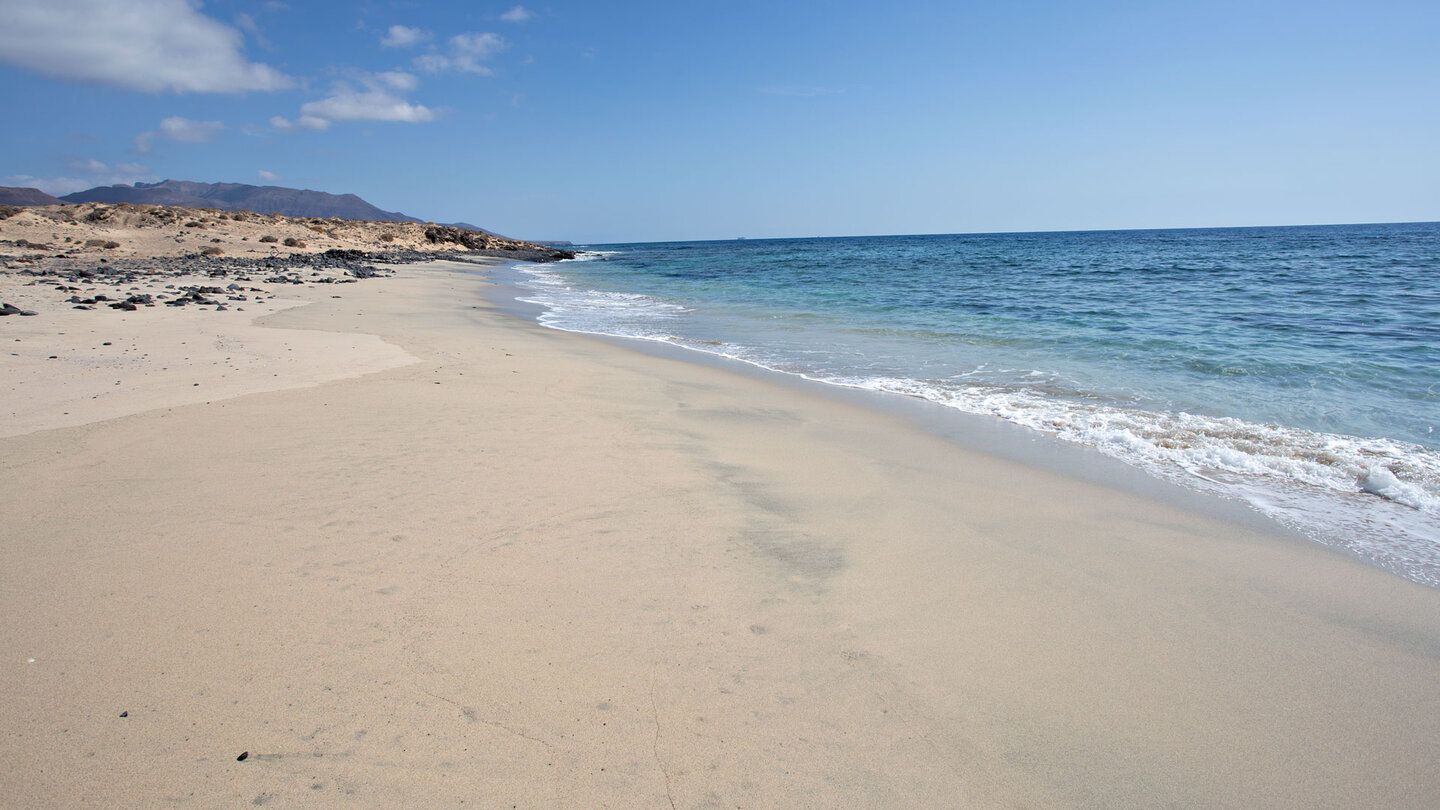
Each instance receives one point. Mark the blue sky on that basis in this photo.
(642, 121)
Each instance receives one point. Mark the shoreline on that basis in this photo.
(1362, 493)
(979, 433)
(533, 567)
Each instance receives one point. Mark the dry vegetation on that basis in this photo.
(152, 230)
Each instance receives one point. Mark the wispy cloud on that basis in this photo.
(180, 130)
(395, 80)
(465, 53)
(303, 122)
(268, 176)
(403, 36)
(148, 45)
(247, 24)
(471, 49)
(518, 14)
(185, 130)
(84, 174)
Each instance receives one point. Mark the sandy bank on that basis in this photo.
(96, 231)
(538, 570)
(67, 367)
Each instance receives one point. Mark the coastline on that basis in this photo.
(983, 434)
(533, 567)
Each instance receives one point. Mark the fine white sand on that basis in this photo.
(502, 566)
(69, 367)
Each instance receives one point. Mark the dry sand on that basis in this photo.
(69, 367)
(533, 569)
(121, 231)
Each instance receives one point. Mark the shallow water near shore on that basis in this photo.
(1290, 368)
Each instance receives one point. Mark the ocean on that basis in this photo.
(1296, 369)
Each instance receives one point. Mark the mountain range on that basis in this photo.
(290, 202)
(11, 195)
(241, 197)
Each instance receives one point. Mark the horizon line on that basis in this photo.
(1012, 233)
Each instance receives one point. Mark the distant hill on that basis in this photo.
(289, 202)
(467, 226)
(10, 195)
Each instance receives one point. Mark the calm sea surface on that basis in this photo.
(1297, 369)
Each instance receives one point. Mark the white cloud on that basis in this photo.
(84, 174)
(403, 36)
(466, 52)
(518, 14)
(268, 176)
(375, 99)
(148, 45)
(372, 104)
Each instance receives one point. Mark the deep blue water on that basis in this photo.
(1295, 368)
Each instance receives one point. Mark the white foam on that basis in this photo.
(1383, 482)
(579, 309)
(1320, 484)
(591, 255)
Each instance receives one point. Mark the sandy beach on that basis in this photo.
(398, 548)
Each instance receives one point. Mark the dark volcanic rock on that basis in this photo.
(120, 275)
(487, 245)
(444, 234)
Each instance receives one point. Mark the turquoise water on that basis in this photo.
(1297, 369)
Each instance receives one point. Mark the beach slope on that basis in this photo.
(508, 566)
